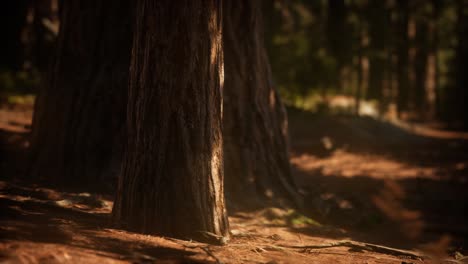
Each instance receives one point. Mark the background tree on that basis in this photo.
(403, 57)
(172, 173)
(80, 110)
(255, 122)
(338, 38)
(422, 45)
(12, 21)
(379, 23)
(460, 93)
(45, 26)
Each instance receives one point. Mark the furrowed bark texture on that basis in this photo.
(80, 111)
(172, 173)
(255, 124)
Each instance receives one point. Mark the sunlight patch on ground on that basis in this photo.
(346, 164)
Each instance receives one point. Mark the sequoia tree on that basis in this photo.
(80, 110)
(255, 124)
(171, 181)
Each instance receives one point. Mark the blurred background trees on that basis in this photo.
(387, 58)
(403, 58)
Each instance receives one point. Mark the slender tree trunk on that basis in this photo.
(403, 58)
(255, 122)
(338, 37)
(45, 30)
(80, 110)
(378, 26)
(436, 108)
(359, 87)
(420, 68)
(172, 173)
(12, 21)
(461, 63)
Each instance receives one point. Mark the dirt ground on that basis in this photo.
(375, 192)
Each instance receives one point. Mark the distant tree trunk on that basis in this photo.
(436, 107)
(255, 121)
(461, 64)
(378, 26)
(359, 87)
(421, 67)
(12, 21)
(80, 110)
(45, 24)
(172, 173)
(403, 58)
(338, 37)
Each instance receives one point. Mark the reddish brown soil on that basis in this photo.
(365, 181)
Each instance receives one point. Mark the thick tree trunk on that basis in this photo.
(255, 122)
(172, 173)
(80, 111)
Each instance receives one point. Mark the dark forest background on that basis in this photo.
(392, 58)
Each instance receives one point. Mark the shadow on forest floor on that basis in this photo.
(382, 182)
(363, 180)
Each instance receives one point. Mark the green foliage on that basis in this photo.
(18, 82)
(15, 99)
(296, 219)
(297, 48)
(314, 49)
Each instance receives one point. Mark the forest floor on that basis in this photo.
(375, 192)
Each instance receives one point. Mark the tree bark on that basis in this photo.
(255, 122)
(80, 110)
(172, 172)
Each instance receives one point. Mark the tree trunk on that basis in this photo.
(172, 172)
(255, 122)
(378, 25)
(435, 100)
(80, 111)
(403, 58)
(360, 66)
(338, 39)
(12, 20)
(421, 68)
(45, 30)
(461, 64)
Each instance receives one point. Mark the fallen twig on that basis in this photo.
(363, 246)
